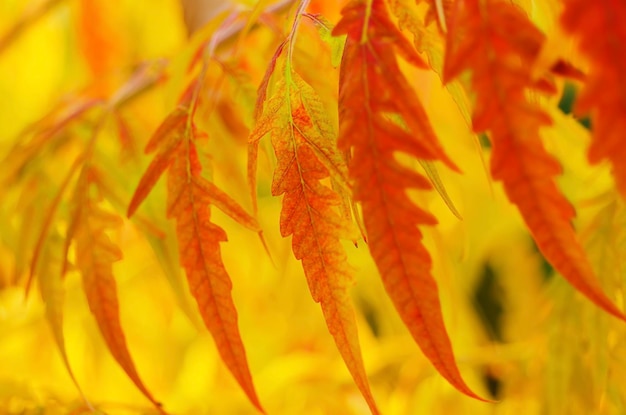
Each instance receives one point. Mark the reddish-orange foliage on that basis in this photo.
(303, 140)
(495, 41)
(95, 255)
(199, 247)
(600, 28)
(372, 87)
(167, 138)
(189, 199)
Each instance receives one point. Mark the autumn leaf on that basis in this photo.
(598, 26)
(167, 137)
(95, 255)
(198, 240)
(372, 86)
(303, 140)
(189, 200)
(500, 53)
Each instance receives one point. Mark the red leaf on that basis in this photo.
(500, 52)
(189, 200)
(371, 86)
(95, 255)
(199, 246)
(167, 137)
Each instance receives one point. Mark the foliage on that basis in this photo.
(408, 165)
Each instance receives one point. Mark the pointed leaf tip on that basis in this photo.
(303, 140)
(373, 94)
(199, 239)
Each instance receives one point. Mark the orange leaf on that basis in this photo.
(189, 200)
(599, 26)
(500, 52)
(303, 140)
(95, 255)
(372, 86)
(226, 204)
(167, 137)
(169, 130)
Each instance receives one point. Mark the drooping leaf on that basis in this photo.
(303, 141)
(599, 28)
(95, 255)
(167, 137)
(199, 247)
(496, 42)
(188, 202)
(371, 86)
